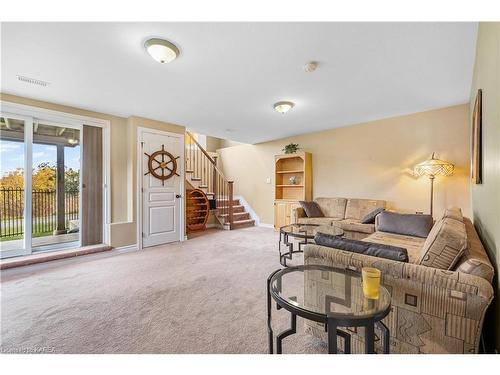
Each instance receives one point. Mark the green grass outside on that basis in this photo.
(37, 229)
(20, 236)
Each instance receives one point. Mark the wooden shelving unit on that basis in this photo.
(197, 210)
(286, 193)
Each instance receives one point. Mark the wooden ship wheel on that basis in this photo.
(197, 210)
(160, 167)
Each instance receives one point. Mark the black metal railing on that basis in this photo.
(44, 210)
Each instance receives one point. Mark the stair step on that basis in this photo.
(188, 171)
(238, 216)
(195, 179)
(202, 186)
(243, 223)
(236, 202)
(237, 208)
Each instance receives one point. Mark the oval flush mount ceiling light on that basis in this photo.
(283, 106)
(161, 50)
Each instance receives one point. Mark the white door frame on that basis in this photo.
(140, 173)
(69, 120)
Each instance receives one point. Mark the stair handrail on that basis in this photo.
(208, 156)
(225, 189)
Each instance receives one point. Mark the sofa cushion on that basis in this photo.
(332, 207)
(355, 226)
(408, 224)
(312, 209)
(445, 244)
(362, 247)
(413, 245)
(474, 261)
(358, 208)
(370, 217)
(452, 213)
(315, 220)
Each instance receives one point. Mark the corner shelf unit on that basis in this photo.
(291, 168)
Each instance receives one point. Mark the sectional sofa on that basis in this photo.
(435, 308)
(343, 212)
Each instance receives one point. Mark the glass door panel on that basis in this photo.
(56, 187)
(12, 187)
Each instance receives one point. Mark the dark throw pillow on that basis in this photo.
(370, 218)
(312, 209)
(361, 247)
(415, 225)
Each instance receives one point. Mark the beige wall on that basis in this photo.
(123, 140)
(486, 196)
(228, 143)
(213, 143)
(370, 160)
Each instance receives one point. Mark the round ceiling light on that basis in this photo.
(161, 50)
(283, 106)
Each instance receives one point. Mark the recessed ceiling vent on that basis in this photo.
(33, 81)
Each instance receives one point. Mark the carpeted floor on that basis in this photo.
(204, 295)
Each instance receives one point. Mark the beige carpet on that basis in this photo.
(204, 295)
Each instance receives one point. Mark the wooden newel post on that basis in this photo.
(230, 185)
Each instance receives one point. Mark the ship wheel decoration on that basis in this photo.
(162, 164)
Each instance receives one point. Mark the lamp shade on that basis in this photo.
(433, 167)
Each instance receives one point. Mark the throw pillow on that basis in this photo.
(312, 209)
(445, 245)
(370, 218)
(414, 225)
(362, 247)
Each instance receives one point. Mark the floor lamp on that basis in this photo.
(431, 168)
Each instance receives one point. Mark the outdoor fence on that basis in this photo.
(44, 211)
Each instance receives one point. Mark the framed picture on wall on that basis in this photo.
(476, 152)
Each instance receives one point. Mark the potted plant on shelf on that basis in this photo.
(291, 148)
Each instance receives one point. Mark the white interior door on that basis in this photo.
(161, 197)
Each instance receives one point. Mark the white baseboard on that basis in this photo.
(126, 249)
(265, 225)
(214, 225)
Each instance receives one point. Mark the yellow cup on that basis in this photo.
(371, 282)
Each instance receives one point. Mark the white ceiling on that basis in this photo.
(229, 74)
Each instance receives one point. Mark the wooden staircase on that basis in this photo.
(202, 173)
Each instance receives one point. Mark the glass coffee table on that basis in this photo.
(331, 296)
(306, 232)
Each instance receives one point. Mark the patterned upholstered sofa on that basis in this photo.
(434, 310)
(342, 212)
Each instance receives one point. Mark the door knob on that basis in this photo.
(178, 196)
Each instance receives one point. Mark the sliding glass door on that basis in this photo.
(55, 186)
(12, 186)
(40, 186)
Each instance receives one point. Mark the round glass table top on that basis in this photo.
(327, 291)
(310, 230)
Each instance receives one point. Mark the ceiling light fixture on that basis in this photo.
(310, 66)
(161, 50)
(283, 106)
